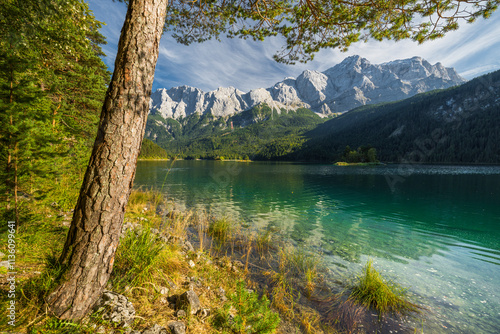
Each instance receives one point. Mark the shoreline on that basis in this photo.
(328, 291)
(340, 163)
(205, 253)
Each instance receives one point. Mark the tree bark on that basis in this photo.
(95, 229)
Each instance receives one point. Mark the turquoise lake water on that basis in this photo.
(433, 229)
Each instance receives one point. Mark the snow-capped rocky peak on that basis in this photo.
(353, 82)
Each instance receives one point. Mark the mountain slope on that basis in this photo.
(352, 83)
(259, 133)
(459, 125)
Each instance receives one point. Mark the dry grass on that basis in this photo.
(310, 321)
(343, 313)
(263, 242)
(141, 201)
(296, 270)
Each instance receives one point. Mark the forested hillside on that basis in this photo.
(258, 134)
(457, 125)
(149, 150)
(52, 84)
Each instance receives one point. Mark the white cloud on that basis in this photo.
(244, 64)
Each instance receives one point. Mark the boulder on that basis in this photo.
(155, 329)
(190, 302)
(187, 247)
(177, 327)
(115, 308)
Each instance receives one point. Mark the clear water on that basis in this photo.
(433, 229)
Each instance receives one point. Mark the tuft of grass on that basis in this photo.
(179, 222)
(283, 294)
(296, 269)
(371, 290)
(144, 200)
(304, 261)
(310, 276)
(138, 256)
(145, 196)
(221, 229)
(345, 314)
(310, 321)
(263, 242)
(303, 264)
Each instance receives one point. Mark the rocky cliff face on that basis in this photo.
(352, 83)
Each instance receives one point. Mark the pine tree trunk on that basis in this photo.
(95, 230)
(16, 186)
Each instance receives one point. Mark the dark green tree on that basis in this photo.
(51, 84)
(371, 154)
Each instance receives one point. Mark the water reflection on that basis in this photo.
(342, 208)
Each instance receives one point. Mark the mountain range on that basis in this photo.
(353, 82)
(455, 125)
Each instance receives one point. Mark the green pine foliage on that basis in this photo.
(52, 84)
(138, 255)
(246, 313)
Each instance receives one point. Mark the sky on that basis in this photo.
(473, 50)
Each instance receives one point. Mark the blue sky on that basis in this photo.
(473, 49)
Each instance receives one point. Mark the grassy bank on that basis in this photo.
(342, 163)
(165, 252)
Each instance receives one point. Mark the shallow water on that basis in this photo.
(433, 229)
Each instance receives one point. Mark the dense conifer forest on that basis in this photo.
(52, 84)
(456, 125)
(149, 150)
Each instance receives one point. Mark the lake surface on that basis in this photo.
(433, 229)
